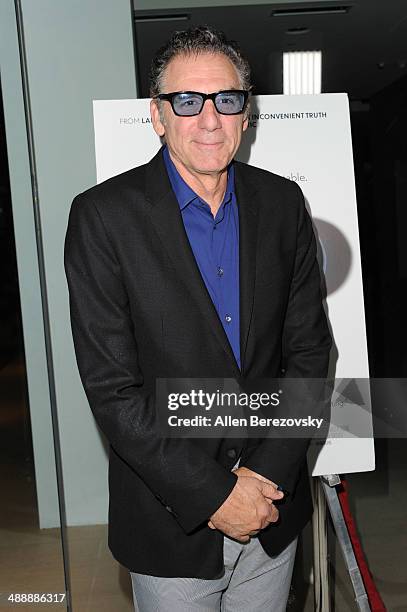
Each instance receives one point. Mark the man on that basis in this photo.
(197, 266)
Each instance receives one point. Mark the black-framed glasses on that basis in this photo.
(190, 103)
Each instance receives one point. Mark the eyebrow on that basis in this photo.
(233, 87)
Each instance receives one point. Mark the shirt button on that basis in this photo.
(231, 453)
(228, 318)
(220, 271)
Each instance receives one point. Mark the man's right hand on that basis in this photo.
(247, 509)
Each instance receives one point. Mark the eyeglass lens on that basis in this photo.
(226, 103)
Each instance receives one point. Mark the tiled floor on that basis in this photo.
(98, 582)
(31, 559)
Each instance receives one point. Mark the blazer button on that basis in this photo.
(232, 453)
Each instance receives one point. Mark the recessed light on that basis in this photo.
(341, 9)
(147, 18)
(302, 72)
(299, 30)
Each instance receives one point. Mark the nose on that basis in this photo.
(209, 118)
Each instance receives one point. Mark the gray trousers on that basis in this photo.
(253, 582)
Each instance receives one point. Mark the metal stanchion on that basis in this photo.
(325, 493)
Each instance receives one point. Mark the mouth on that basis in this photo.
(208, 144)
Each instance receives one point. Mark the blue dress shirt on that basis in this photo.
(215, 244)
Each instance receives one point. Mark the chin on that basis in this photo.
(215, 165)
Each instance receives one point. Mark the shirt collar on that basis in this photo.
(183, 192)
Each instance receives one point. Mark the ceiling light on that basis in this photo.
(312, 10)
(159, 17)
(302, 72)
(298, 30)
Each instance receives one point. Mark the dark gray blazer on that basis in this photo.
(140, 310)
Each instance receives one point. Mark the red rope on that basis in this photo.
(375, 601)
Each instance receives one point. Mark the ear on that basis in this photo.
(155, 118)
(245, 123)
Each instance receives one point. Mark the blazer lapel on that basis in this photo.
(167, 220)
(248, 222)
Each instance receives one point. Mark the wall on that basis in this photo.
(76, 52)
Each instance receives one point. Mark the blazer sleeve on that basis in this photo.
(182, 476)
(306, 344)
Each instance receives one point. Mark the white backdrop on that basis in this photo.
(307, 139)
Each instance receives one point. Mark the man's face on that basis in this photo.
(205, 143)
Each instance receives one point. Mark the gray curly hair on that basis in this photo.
(201, 39)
